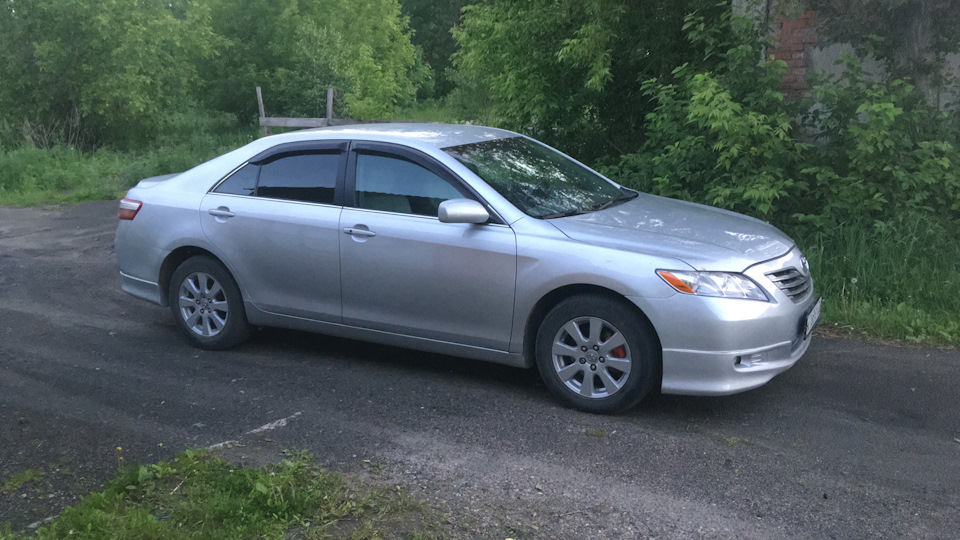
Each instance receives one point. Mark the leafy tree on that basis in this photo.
(296, 49)
(432, 22)
(115, 64)
(569, 71)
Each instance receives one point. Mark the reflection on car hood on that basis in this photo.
(706, 238)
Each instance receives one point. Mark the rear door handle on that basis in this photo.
(359, 232)
(221, 212)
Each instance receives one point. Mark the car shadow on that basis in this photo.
(463, 372)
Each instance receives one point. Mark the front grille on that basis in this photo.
(791, 282)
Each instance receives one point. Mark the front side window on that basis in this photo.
(539, 181)
(394, 184)
(308, 177)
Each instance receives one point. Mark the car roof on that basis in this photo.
(438, 135)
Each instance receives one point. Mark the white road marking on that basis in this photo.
(274, 425)
(223, 444)
(266, 427)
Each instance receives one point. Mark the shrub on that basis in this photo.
(724, 136)
(858, 150)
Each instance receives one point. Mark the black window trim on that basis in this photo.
(416, 157)
(299, 147)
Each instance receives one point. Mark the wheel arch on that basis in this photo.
(174, 260)
(554, 297)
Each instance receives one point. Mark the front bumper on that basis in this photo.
(715, 373)
(721, 346)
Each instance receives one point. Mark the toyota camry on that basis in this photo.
(472, 242)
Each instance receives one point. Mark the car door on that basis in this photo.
(275, 222)
(403, 271)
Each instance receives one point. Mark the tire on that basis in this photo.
(597, 354)
(207, 305)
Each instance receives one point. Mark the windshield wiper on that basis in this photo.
(625, 195)
(622, 198)
(565, 213)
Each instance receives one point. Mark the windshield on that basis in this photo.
(538, 180)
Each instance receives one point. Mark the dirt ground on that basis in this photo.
(859, 440)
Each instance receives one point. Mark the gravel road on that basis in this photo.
(857, 441)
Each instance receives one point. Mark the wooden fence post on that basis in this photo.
(263, 113)
(329, 105)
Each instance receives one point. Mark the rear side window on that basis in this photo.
(242, 182)
(308, 177)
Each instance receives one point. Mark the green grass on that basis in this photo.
(31, 176)
(18, 480)
(898, 280)
(200, 496)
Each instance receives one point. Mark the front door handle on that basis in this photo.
(359, 232)
(221, 212)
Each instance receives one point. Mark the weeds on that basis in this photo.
(32, 176)
(894, 280)
(200, 496)
(18, 480)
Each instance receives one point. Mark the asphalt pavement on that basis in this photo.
(859, 440)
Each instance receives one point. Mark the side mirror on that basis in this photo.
(462, 211)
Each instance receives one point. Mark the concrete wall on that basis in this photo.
(796, 36)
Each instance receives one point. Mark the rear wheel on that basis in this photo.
(597, 354)
(207, 305)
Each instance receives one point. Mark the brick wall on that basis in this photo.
(795, 40)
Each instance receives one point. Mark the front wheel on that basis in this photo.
(597, 354)
(207, 305)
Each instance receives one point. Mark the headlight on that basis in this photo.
(720, 284)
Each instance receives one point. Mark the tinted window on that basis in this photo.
(397, 185)
(310, 177)
(242, 182)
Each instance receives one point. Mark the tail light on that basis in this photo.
(129, 208)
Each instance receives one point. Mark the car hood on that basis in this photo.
(704, 237)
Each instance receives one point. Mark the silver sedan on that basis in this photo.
(473, 242)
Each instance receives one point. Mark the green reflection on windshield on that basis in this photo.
(534, 178)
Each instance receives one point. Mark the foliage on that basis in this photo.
(432, 22)
(889, 279)
(880, 151)
(295, 50)
(567, 71)
(31, 175)
(118, 65)
(200, 496)
(724, 136)
(117, 72)
(865, 151)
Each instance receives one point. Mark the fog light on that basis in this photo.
(748, 361)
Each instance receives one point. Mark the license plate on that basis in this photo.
(813, 316)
